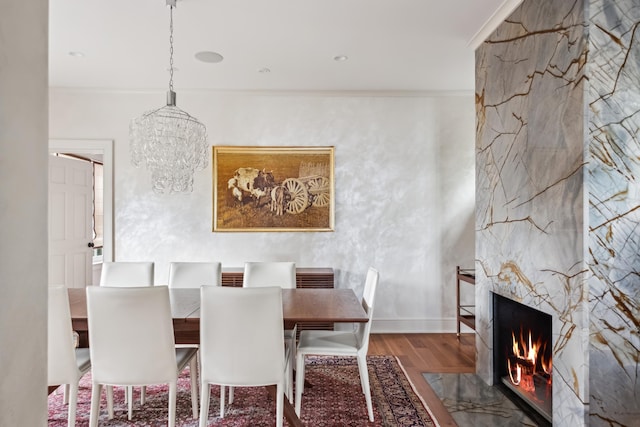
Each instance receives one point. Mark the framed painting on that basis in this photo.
(273, 188)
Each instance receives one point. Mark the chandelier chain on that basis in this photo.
(171, 48)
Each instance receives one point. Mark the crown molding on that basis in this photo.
(502, 13)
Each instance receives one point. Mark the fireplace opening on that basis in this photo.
(522, 355)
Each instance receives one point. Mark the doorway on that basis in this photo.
(88, 148)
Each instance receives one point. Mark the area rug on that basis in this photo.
(334, 398)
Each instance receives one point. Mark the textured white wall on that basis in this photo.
(404, 189)
(23, 213)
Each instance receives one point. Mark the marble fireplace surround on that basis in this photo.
(558, 197)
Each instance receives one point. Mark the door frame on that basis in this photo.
(105, 148)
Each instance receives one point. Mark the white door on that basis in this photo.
(70, 222)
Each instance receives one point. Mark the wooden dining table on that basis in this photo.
(298, 306)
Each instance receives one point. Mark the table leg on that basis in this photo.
(289, 411)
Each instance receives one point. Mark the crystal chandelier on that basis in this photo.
(170, 142)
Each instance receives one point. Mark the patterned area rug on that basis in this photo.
(333, 399)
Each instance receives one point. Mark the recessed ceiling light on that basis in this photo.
(340, 58)
(264, 70)
(76, 54)
(210, 57)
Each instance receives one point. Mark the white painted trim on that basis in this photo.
(390, 326)
(506, 8)
(283, 93)
(95, 146)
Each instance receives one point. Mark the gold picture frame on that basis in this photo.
(273, 188)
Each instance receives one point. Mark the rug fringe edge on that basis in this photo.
(413, 387)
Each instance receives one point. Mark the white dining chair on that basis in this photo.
(127, 273)
(282, 274)
(269, 273)
(132, 343)
(66, 364)
(241, 343)
(191, 274)
(341, 343)
(194, 274)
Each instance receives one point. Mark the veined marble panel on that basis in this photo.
(530, 194)
(558, 197)
(614, 211)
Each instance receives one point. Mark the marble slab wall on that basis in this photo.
(557, 214)
(613, 182)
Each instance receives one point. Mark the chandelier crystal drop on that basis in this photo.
(171, 143)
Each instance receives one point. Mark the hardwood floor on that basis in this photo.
(419, 353)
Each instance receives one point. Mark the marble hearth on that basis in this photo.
(558, 195)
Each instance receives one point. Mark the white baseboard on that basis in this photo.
(408, 326)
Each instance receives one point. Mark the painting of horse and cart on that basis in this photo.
(273, 188)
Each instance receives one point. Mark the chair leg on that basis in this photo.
(73, 401)
(290, 352)
(65, 394)
(95, 404)
(193, 373)
(279, 404)
(199, 367)
(364, 381)
(110, 401)
(289, 381)
(291, 361)
(173, 391)
(205, 390)
(231, 395)
(143, 394)
(222, 393)
(299, 382)
(130, 401)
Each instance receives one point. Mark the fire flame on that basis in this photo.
(527, 356)
(518, 373)
(547, 366)
(525, 351)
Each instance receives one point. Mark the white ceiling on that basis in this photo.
(392, 45)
